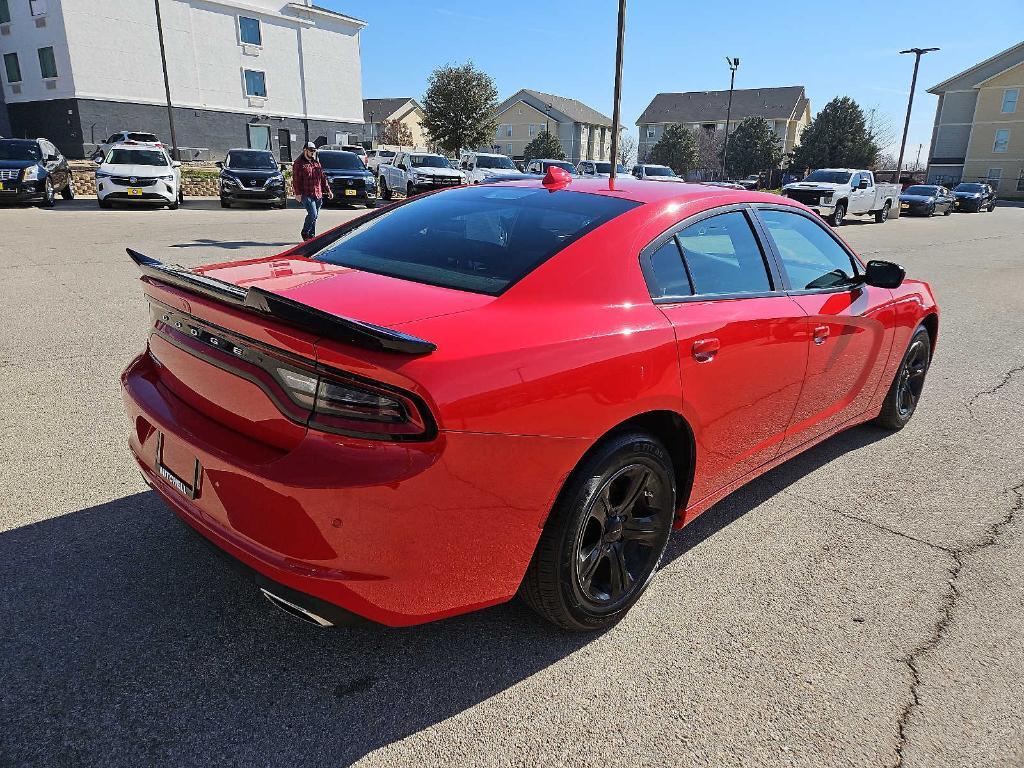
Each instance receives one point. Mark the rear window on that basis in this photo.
(141, 137)
(137, 157)
(921, 190)
(340, 161)
(481, 239)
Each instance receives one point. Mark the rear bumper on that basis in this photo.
(397, 533)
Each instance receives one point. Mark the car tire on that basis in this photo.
(838, 214)
(410, 190)
(48, 194)
(883, 215)
(281, 206)
(224, 203)
(931, 212)
(68, 193)
(992, 206)
(905, 391)
(590, 567)
(104, 204)
(385, 190)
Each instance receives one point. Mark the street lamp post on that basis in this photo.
(918, 53)
(734, 64)
(167, 81)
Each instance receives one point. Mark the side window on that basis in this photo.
(867, 177)
(855, 180)
(811, 258)
(723, 257)
(667, 274)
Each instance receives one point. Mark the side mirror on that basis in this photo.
(219, 163)
(884, 274)
(175, 164)
(98, 159)
(863, 184)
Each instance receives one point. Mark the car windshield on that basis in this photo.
(142, 137)
(921, 189)
(658, 170)
(830, 177)
(969, 188)
(137, 157)
(385, 153)
(481, 239)
(251, 160)
(558, 164)
(343, 161)
(482, 161)
(607, 168)
(429, 161)
(355, 149)
(19, 150)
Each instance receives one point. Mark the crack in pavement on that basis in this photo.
(959, 555)
(1007, 378)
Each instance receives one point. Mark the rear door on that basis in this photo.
(742, 342)
(849, 323)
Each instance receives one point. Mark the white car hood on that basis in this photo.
(498, 171)
(662, 178)
(426, 171)
(822, 185)
(139, 171)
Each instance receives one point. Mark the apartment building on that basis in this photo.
(788, 110)
(979, 124)
(257, 73)
(585, 133)
(406, 111)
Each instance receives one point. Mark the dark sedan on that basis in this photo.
(33, 170)
(926, 200)
(251, 176)
(350, 180)
(972, 197)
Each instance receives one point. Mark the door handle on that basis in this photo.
(705, 349)
(820, 334)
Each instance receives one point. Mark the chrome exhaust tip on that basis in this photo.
(295, 610)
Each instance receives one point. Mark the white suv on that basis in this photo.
(130, 173)
(127, 137)
(481, 166)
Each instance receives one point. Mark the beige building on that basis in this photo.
(584, 132)
(407, 111)
(787, 109)
(979, 125)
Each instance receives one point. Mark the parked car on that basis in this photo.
(129, 138)
(835, 192)
(724, 184)
(138, 174)
(252, 176)
(926, 200)
(481, 166)
(33, 170)
(350, 180)
(412, 172)
(972, 196)
(599, 169)
(753, 181)
(651, 172)
(477, 393)
(541, 165)
(375, 157)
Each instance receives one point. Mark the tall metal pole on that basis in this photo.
(167, 81)
(618, 90)
(918, 53)
(734, 64)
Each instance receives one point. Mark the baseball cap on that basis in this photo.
(310, 145)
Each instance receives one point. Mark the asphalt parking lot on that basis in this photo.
(862, 605)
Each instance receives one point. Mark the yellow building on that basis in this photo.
(405, 110)
(979, 125)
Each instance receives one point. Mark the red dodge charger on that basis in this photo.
(518, 387)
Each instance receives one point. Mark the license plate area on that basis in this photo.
(134, 192)
(4, 186)
(351, 192)
(172, 463)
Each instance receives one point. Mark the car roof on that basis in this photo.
(250, 149)
(21, 141)
(645, 192)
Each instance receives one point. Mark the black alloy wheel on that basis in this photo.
(48, 194)
(605, 536)
(905, 391)
(68, 193)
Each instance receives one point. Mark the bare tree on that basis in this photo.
(627, 149)
(709, 150)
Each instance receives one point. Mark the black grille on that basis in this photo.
(125, 181)
(807, 196)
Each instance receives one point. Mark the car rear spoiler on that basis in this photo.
(284, 310)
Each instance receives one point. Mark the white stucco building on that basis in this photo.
(260, 73)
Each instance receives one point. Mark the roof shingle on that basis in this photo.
(698, 106)
(573, 109)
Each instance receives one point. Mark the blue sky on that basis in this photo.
(567, 48)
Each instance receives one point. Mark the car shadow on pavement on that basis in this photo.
(127, 641)
(231, 245)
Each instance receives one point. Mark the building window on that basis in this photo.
(650, 131)
(13, 67)
(1010, 96)
(47, 63)
(255, 83)
(533, 129)
(5, 12)
(1002, 142)
(508, 130)
(249, 31)
(508, 150)
(37, 7)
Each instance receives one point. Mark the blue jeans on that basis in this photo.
(312, 206)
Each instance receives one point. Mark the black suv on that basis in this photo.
(973, 196)
(251, 176)
(350, 181)
(33, 170)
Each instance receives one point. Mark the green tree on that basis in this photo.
(753, 147)
(837, 137)
(459, 108)
(676, 148)
(394, 133)
(544, 145)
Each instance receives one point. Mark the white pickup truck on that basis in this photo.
(412, 172)
(835, 192)
(481, 166)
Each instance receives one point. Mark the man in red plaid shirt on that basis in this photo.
(310, 185)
